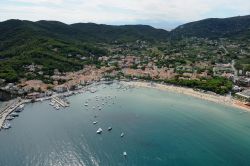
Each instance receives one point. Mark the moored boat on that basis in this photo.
(10, 118)
(20, 108)
(99, 131)
(14, 114)
(6, 126)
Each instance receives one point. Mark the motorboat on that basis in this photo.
(10, 118)
(14, 114)
(95, 122)
(20, 108)
(110, 128)
(52, 103)
(99, 131)
(57, 106)
(6, 126)
(122, 134)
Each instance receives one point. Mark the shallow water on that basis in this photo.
(161, 128)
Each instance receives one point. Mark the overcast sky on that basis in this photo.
(158, 13)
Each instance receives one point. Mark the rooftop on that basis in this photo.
(245, 94)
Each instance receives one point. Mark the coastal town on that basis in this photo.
(150, 63)
(124, 83)
(197, 59)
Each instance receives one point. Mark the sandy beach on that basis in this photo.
(226, 100)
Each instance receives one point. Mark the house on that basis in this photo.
(242, 81)
(60, 89)
(244, 95)
(33, 95)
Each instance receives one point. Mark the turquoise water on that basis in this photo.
(161, 128)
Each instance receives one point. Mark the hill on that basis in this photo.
(53, 44)
(234, 27)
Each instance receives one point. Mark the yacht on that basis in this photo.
(99, 131)
(14, 114)
(6, 126)
(52, 103)
(93, 90)
(57, 107)
(10, 118)
(20, 108)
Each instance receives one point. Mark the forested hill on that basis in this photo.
(55, 45)
(234, 27)
(80, 31)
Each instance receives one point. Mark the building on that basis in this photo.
(244, 95)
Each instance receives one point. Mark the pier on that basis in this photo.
(9, 108)
(60, 101)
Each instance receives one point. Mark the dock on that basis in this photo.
(60, 101)
(9, 108)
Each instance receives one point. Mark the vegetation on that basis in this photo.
(33, 50)
(218, 85)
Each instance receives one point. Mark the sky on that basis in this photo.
(166, 14)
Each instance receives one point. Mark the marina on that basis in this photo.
(9, 110)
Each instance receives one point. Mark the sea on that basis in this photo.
(161, 128)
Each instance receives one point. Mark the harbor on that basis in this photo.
(8, 109)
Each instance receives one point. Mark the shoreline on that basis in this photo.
(225, 100)
(6, 109)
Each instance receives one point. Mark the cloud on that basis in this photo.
(39, 1)
(122, 11)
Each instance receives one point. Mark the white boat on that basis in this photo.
(86, 104)
(95, 122)
(125, 154)
(14, 114)
(93, 90)
(20, 108)
(99, 131)
(52, 103)
(57, 106)
(6, 126)
(10, 118)
(122, 134)
(110, 128)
